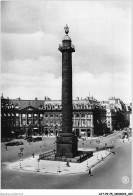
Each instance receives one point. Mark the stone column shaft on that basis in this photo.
(66, 92)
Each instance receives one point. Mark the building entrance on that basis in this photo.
(88, 132)
(77, 132)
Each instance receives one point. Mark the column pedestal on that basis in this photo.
(66, 145)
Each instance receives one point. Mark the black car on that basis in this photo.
(14, 143)
(39, 138)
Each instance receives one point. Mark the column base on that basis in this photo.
(66, 145)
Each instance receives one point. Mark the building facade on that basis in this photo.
(45, 116)
(118, 114)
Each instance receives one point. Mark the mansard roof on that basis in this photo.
(51, 104)
(26, 103)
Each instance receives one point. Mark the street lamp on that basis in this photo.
(87, 162)
(21, 155)
(98, 142)
(97, 152)
(38, 165)
(40, 149)
(112, 144)
(83, 145)
(105, 148)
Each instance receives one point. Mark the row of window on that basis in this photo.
(83, 123)
(49, 106)
(77, 123)
(9, 106)
(48, 115)
(9, 114)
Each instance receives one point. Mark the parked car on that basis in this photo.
(33, 139)
(29, 139)
(14, 143)
(7, 139)
(36, 139)
(39, 138)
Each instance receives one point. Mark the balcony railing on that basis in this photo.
(66, 47)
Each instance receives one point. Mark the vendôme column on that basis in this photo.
(66, 141)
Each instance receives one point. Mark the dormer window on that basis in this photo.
(40, 107)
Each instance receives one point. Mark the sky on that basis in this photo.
(31, 64)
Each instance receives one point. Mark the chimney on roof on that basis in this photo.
(36, 98)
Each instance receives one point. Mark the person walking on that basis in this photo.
(33, 155)
(67, 164)
(6, 148)
(89, 173)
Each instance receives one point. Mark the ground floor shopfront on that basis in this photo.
(84, 132)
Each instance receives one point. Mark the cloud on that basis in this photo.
(125, 6)
(39, 67)
(103, 86)
(100, 31)
(21, 17)
(25, 46)
(98, 59)
(29, 87)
